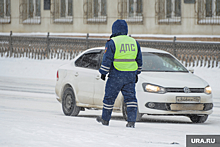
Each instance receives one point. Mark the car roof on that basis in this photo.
(143, 49)
(147, 49)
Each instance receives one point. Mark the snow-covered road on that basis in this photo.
(27, 85)
(31, 116)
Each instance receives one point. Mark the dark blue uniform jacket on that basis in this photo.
(108, 58)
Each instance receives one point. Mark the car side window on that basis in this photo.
(100, 59)
(89, 60)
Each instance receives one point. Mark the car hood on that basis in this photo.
(172, 79)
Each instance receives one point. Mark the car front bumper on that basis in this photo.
(165, 104)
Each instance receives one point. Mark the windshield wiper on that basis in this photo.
(150, 70)
(173, 71)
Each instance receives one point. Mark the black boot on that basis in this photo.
(130, 124)
(104, 122)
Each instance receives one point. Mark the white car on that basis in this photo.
(165, 87)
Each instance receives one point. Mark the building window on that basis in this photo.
(5, 11)
(95, 11)
(62, 11)
(169, 11)
(131, 10)
(208, 12)
(30, 11)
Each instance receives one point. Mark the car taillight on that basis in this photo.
(57, 75)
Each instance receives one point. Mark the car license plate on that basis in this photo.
(188, 99)
(185, 107)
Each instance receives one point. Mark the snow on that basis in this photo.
(167, 20)
(62, 20)
(209, 21)
(5, 20)
(32, 20)
(134, 19)
(97, 19)
(30, 115)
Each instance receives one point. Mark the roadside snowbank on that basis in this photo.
(46, 69)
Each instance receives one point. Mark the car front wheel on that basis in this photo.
(69, 103)
(124, 112)
(198, 118)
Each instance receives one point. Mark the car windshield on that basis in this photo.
(161, 62)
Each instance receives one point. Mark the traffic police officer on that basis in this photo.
(123, 61)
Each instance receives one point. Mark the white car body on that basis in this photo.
(89, 89)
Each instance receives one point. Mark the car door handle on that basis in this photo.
(98, 77)
(76, 74)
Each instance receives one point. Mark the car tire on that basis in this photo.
(124, 112)
(69, 103)
(198, 118)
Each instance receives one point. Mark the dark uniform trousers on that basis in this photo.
(124, 82)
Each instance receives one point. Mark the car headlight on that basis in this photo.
(153, 88)
(208, 90)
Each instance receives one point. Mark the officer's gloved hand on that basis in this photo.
(136, 79)
(103, 77)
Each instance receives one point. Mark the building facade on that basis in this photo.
(170, 17)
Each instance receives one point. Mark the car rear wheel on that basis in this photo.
(124, 112)
(198, 118)
(69, 103)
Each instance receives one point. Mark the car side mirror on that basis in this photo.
(192, 71)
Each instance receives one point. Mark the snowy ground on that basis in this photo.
(31, 116)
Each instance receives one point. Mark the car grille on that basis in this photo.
(181, 90)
